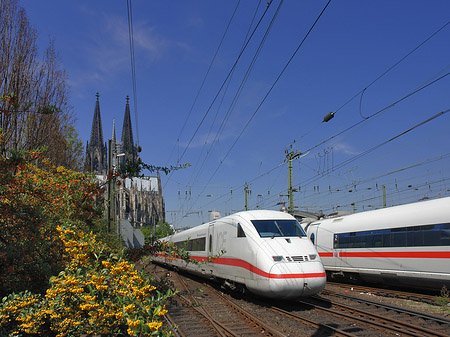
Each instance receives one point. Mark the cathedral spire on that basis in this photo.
(127, 135)
(96, 153)
(97, 131)
(113, 138)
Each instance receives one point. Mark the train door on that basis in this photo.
(323, 241)
(208, 268)
(312, 233)
(211, 240)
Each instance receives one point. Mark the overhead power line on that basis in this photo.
(439, 114)
(415, 91)
(270, 90)
(204, 79)
(133, 65)
(394, 65)
(220, 89)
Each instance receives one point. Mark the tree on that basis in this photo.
(163, 229)
(37, 113)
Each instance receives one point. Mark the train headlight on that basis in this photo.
(312, 257)
(278, 258)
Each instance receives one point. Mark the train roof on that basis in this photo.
(263, 214)
(418, 213)
(246, 215)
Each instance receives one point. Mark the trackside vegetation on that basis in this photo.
(62, 273)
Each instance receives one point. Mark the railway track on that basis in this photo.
(391, 319)
(425, 298)
(202, 310)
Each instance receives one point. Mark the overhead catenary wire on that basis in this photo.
(358, 156)
(220, 89)
(270, 90)
(418, 89)
(415, 91)
(204, 80)
(393, 172)
(225, 119)
(411, 93)
(193, 179)
(133, 65)
(238, 92)
(393, 66)
(361, 92)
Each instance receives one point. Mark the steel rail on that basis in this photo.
(388, 292)
(237, 308)
(375, 319)
(315, 324)
(219, 327)
(415, 313)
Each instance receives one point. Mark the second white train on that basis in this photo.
(407, 244)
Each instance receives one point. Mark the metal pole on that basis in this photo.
(246, 197)
(108, 204)
(290, 188)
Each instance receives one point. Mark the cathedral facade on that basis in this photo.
(138, 200)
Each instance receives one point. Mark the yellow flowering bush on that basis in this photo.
(57, 278)
(97, 293)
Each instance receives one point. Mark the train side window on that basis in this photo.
(432, 236)
(312, 237)
(240, 231)
(210, 243)
(445, 235)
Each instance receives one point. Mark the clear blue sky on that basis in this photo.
(352, 44)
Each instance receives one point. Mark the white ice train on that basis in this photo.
(267, 252)
(401, 245)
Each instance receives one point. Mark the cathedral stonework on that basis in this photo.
(138, 200)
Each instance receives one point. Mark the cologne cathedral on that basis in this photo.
(138, 200)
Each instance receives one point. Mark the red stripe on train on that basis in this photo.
(411, 255)
(245, 265)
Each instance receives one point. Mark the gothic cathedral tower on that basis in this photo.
(128, 146)
(96, 150)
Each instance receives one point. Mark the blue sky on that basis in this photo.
(351, 45)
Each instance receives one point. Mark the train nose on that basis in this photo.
(294, 280)
(315, 278)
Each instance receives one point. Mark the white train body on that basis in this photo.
(267, 251)
(407, 244)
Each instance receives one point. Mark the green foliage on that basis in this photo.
(163, 229)
(147, 231)
(151, 234)
(135, 169)
(444, 299)
(62, 273)
(98, 292)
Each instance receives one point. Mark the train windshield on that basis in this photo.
(278, 228)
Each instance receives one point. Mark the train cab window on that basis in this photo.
(240, 231)
(312, 237)
(278, 228)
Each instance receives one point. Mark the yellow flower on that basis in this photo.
(162, 312)
(129, 308)
(106, 264)
(89, 298)
(88, 306)
(154, 325)
(133, 324)
(101, 287)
